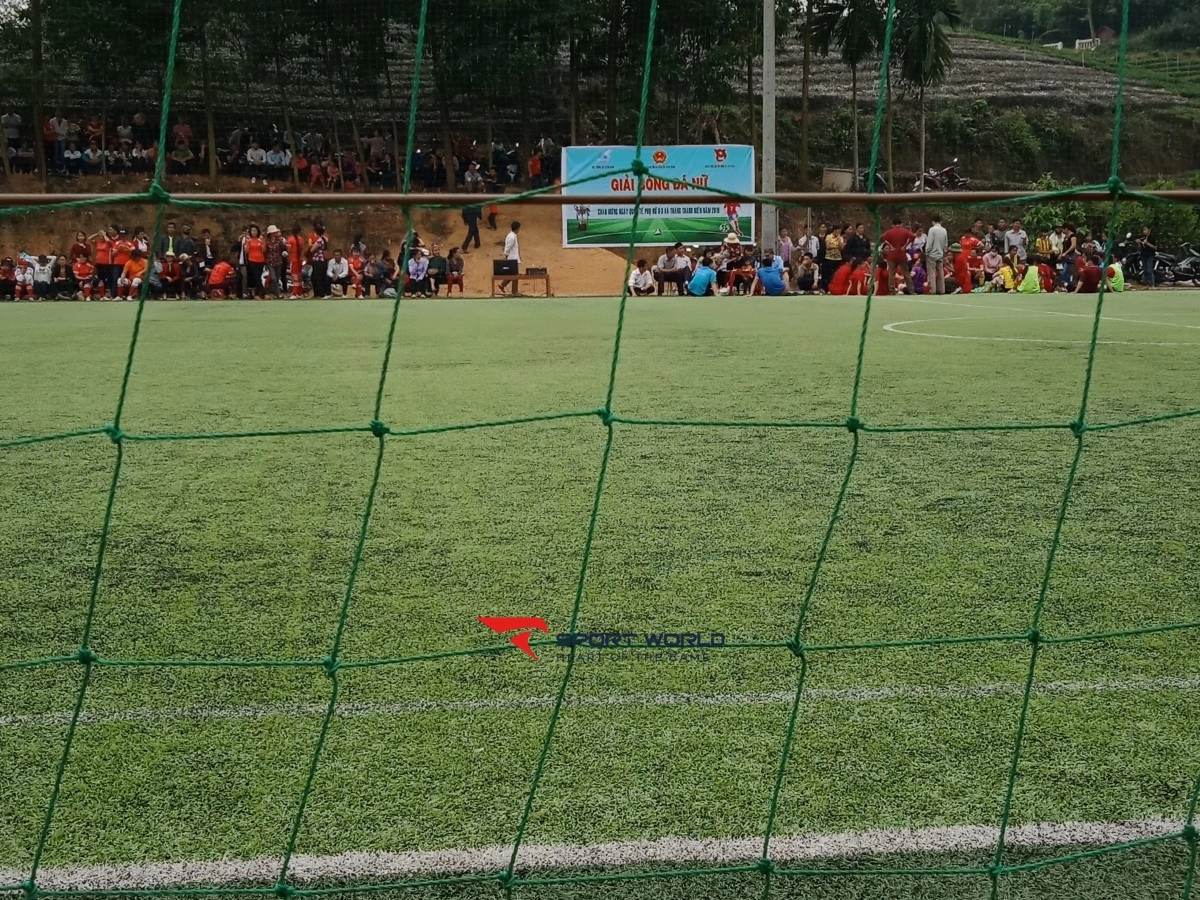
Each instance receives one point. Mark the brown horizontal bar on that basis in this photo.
(955, 198)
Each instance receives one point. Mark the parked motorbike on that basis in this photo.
(881, 185)
(507, 163)
(1131, 260)
(1188, 268)
(947, 179)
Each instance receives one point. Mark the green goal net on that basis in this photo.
(312, 62)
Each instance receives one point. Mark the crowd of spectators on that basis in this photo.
(1000, 257)
(115, 263)
(90, 145)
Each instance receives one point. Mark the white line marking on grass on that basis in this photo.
(1044, 312)
(505, 704)
(378, 866)
(894, 328)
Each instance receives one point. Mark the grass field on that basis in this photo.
(700, 230)
(240, 549)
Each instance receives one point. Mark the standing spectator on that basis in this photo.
(454, 272)
(318, 243)
(493, 210)
(857, 243)
(1148, 247)
(123, 248)
(897, 240)
(1044, 246)
(62, 135)
(437, 270)
(207, 255)
(254, 253)
(80, 247)
(672, 268)
(833, 255)
(141, 240)
(181, 133)
(185, 244)
(11, 123)
(274, 252)
(535, 169)
(49, 147)
(471, 216)
(785, 248)
(1016, 239)
(512, 251)
(108, 273)
(125, 133)
(936, 243)
(337, 273)
(167, 243)
(295, 255)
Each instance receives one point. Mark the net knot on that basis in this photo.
(29, 887)
(854, 424)
(330, 665)
(87, 656)
(606, 415)
(1035, 637)
(995, 870)
(158, 193)
(1189, 833)
(379, 429)
(506, 879)
(115, 434)
(283, 889)
(639, 168)
(795, 646)
(765, 866)
(1116, 186)
(1078, 427)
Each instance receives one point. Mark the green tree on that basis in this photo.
(855, 29)
(924, 49)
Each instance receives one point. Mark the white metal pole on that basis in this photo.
(770, 214)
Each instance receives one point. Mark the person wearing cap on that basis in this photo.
(184, 243)
(960, 282)
(274, 253)
(171, 275)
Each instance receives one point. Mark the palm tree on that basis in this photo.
(924, 49)
(855, 28)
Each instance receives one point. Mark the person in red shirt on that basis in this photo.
(8, 279)
(132, 275)
(171, 275)
(1089, 277)
(102, 242)
(122, 249)
(962, 270)
(897, 240)
(295, 254)
(860, 276)
(81, 247)
(221, 279)
(839, 284)
(969, 242)
(85, 277)
(355, 262)
(254, 248)
(1048, 273)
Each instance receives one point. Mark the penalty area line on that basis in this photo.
(378, 865)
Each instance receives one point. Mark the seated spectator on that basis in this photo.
(1114, 277)
(388, 270)
(190, 281)
(454, 271)
(181, 158)
(8, 279)
(154, 277)
(437, 270)
(133, 273)
(72, 159)
(222, 279)
(920, 276)
(93, 159)
(43, 277)
(278, 161)
(171, 275)
(24, 276)
(64, 280)
(138, 161)
(839, 284)
(702, 281)
(1048, 273)
(85, 277)
(808, 275)
(357, 263)
(961, 277)
(768, 277)
(641, 282)
(672, 268)
(94, 129)
(256, 160)
(992, 261)
(338, 274)
(417, 282)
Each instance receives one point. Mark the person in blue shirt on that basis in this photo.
(702, 282)
(769, 276)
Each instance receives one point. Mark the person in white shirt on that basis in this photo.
(72, 159)
(256, 159)
(1016, 239)
(512, 251)
(641, 282)
(43, 276)
(338, 274)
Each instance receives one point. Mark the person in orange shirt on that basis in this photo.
(295, 254)
(85, 277)
(355, 262)
(132, 275)
(122, 250)
(254, 248)
(221, 279)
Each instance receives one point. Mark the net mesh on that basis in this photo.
(433, 27)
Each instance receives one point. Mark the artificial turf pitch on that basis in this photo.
(240, 549)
